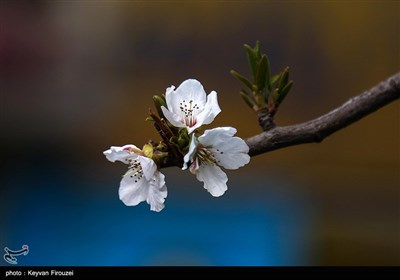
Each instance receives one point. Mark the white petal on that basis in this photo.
(189, 104)
(149, 167)
(193, 128)
(216, 136)
(132, 190)
(211, 110)
(191, 89)
(231, 160)
(214, 179)
(120, 153)
(231, 152)
(174, 119)
(172, 99)
(157, 192)
(189, 156)
(169, 92)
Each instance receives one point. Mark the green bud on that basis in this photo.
(268, 74)
(284, 92)
(249, 101)
(182, 143)
(183, 133)
(275, 97)
(241, 78)
(257, 50)
(284, 78)
(261, 75)
(251, 58)
(260, 101)
(273, 80)
(266, 91)
(159, 101)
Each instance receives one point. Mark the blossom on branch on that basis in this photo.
(214, 149)
(188, 105)
(142, 181)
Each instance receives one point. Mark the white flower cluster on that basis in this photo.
(188, 107)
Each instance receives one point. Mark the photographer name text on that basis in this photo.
(39, 273)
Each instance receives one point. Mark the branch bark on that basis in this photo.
(316, 130)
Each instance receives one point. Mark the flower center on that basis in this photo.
(203, 157)
(188, 110)
(206, 156)
(136, 169)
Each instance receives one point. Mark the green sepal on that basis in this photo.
(148, 150)
(159, 101)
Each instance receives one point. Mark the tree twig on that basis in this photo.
(316, 130)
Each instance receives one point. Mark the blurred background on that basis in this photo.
(78, 77)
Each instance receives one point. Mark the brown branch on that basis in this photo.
(316, 130)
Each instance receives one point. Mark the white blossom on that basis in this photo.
(214, 149)
(188, 105)
(142, 181)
